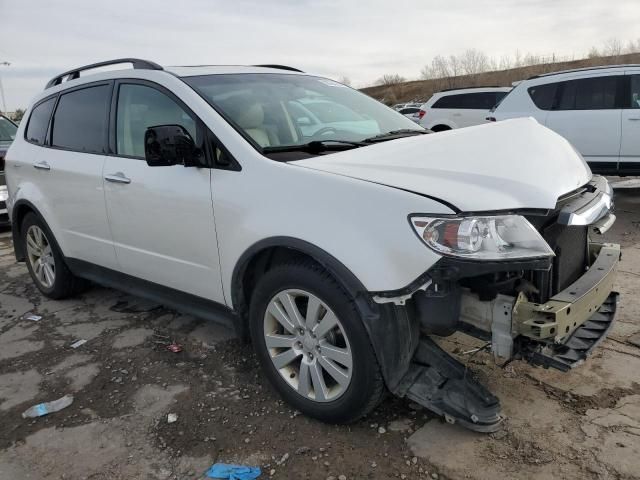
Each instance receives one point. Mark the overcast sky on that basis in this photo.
(359, 39)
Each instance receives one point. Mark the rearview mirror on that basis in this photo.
(166, 145)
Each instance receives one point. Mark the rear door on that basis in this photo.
(630, 144)
(67, 169)
(587, 112)
(161, 218)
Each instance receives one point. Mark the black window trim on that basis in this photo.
(208, 137)
(53, 97)
(49, 135)
(465, 94)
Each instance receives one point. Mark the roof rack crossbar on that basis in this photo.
(280, 67)
(137, 63)
(469, 88)
(584, 69)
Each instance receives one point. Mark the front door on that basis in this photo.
(630, 145)
(161, 218)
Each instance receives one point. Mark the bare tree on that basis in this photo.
(390, 79)
(474, 61)
(612, 48)
(593, 53)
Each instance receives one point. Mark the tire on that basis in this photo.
(302, 382)
(51, 275)
(440, 128)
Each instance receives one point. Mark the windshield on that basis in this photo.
(7, 130)
(282, 110)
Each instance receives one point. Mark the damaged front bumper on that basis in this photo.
(563, 331)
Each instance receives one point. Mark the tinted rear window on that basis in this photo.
(80, 120)
(39, 121)
(543, 95)
(469, 101)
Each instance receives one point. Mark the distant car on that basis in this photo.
(457, 108)
(313, 115)
(8, 131)
(596, 109)
(412, 113)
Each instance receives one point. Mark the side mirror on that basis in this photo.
(303, 121)
(166, 145)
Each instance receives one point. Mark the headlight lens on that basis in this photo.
(499, 237)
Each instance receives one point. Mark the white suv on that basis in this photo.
(340, 253)
(596, 109)
(459, 107)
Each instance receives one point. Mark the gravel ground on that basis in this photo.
(583, 424)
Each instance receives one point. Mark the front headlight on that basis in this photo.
(499, 237)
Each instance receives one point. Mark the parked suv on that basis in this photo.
(8, 131)
(596, 109)
(340, 253)
(459, 107)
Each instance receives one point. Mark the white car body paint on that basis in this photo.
(354, 205)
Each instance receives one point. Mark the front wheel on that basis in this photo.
(312, 344)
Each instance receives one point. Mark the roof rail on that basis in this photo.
(469, 88)
(280, 67)
(584, 69)
(75, 73)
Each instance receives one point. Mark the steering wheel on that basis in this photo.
(325, 131)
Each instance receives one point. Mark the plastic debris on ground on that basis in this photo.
(43, 409)
(174, 347)
(172, 417)
(78, 343)
(32, 317)
(233, 472)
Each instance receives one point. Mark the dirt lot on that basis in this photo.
(585, 424)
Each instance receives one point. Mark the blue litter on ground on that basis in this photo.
(233, 472)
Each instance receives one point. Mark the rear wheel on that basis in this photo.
(45, 261)
(312, 344)
(440, 128)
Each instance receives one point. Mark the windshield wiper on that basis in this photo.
(315, 146)
(393, 134)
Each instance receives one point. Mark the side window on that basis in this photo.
(635, 91)
(597, 93)
(80, 120)
(447, 101)
(39, 121)
(543, 95)
(141, 107)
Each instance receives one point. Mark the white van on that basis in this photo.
(596, 109)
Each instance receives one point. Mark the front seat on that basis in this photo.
(251, 120)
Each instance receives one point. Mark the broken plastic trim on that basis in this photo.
(442, 384)
(402, 298)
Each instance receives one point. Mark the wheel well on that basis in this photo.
(440, 128)
(261, 258)
(19, 212)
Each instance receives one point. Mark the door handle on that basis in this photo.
(634, 119)
(117, 177)
(42, 166)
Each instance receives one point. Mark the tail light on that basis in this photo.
(421, 114)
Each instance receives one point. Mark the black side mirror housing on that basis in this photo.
(166, 145)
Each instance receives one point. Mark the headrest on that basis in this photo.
(250, 117)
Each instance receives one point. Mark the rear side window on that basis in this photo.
(406, 111)
(543, 96)
(598, 93)
(467, 101)
(39, 121)
(80, 120)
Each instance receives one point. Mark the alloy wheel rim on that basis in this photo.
(40, 256)
(308, 346)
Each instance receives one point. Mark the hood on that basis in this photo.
(508, 165)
